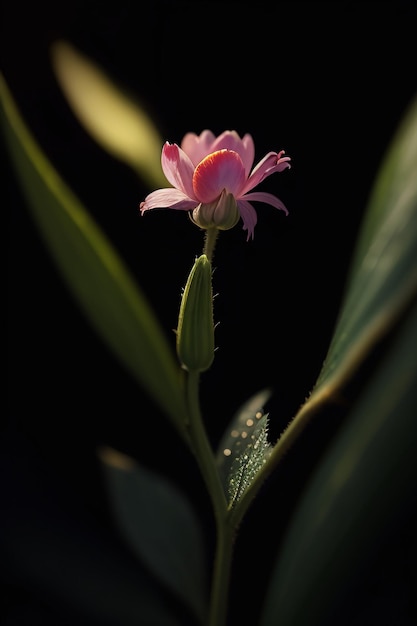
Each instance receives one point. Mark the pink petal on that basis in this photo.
(249, 150)
(266, 198)
(167, 199)
(178, 168)
(198, 146)
(272, 162)
(249, 217)
(245, 147)
(228, 140)
(220, 170)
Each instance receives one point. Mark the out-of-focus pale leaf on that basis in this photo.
(370, 470)
(92, 269)
(115, 121)
(160, 526)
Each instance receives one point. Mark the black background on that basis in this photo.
(326, 81)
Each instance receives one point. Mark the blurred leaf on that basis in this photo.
(367, 480)
(370, 469)
(94, 272)
(115, 121)
(53, 549)
(244, 447)
(383, 276)
(160, 526)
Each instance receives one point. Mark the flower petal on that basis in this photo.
(249, 217)
(178, 168)
(217, 171)
(245, 147)
(167, 199)
(249, 153)
(198, 146)
(266, 198)
(272, 162)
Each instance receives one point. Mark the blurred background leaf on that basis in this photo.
(116, 122)
(364, 487)
(94, 272)
(68, 562)
(160, 526)
(383, 276)
(369, 473)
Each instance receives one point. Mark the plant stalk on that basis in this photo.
(224, 531)
(210, 239)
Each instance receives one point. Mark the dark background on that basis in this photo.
(326, 81)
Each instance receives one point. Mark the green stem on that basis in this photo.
(210, 242)
(221, 573)
(225, 533)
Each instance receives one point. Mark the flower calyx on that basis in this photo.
(222, 213)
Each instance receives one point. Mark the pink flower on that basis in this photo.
(213, 177)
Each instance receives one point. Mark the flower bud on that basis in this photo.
(195, 333)
(223, 213)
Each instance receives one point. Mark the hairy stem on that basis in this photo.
(210, 242)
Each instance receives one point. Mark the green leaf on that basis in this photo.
(244, 448)
(160, 526)
(250, 458)
(369, 470)
(383, 276)
(366, 480)
(94, 272)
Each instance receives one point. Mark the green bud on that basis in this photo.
(195, 333)
(221, 213)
